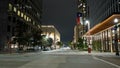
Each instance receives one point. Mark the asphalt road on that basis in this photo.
(56, 59)
(17, 60)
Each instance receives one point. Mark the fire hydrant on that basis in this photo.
(89, 50)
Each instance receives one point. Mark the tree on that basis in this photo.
(70, 43)
(80, 44)
(36, 37)
(20, 34)
(59, 43)
(96, 45)
(50, 42)
(44, 42)
(26, 37)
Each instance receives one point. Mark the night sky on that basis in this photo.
(61, 14)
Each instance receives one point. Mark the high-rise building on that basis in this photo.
(18, 18)
(78, 32)
(82, 16)
(83, 9)
(100, 10)
(104, 16)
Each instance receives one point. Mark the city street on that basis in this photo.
(60, 34)
(58, 59)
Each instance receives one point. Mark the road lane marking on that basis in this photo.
(106, 62)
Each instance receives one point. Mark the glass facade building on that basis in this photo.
(105, 33)
(100, 10)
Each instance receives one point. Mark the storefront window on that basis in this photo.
(118, 30)
(109, 33)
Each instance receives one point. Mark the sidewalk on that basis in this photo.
(107, 56)
(103, 53)
(95, 53)
(20, 54)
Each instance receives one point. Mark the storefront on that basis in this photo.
(106, 35)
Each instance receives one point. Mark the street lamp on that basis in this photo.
(89, 37)
(116, 38)
(88, 24)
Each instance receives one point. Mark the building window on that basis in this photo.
(13, 29)
(15, 1)
(8, 37)
(14, 19)
(10, 7)
(9, 18)
(18, 13)
(33, 22)
(38, 26)
(22, 14)
(15, 10)
(29, 20)
(25, 17)
(8, 28)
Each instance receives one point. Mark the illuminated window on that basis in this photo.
(29, 20)
(38, 26)
(113, 31)
(117, 29)
(22, 14)
(10, 7)
(33, 22)
(18, 13)
(84, 6)
(15, 9)
(25, 17)
(109, 33)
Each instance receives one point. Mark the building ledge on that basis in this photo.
(103, 25)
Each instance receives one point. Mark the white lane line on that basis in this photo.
(106, 62)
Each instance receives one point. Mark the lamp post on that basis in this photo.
(116, 38)
(88, 24)
(89, 37)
